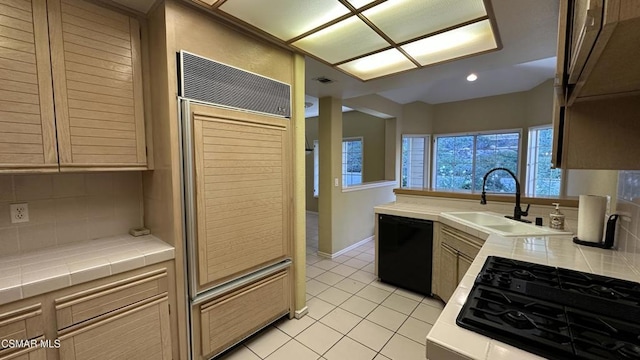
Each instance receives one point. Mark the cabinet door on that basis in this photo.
(34, 353)
(22, 323)
(586, 23)
(141, 332)
(97, 82)
(242, 192)
(88, 304)
(234, 316)
(448, 280)
(27, 125)
(464, 262)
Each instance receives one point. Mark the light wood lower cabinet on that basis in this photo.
(125, 319)
(457, 251)
(82, 306)
(448, 276)
(140, 331)
(35, 353)
(125, 316)
(21, 321)
(231, 317)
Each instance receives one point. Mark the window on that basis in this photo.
(415, 161)
(316, 168)
(461, 161)
(542, 180)
(351, 161)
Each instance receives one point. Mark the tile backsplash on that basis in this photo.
(65, 208)
(628, 237)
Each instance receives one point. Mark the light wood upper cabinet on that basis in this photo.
(97, 79)
(27, 124)
(86, 60)
(597, 85)
(604, 43)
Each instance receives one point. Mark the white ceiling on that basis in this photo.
(528, 30)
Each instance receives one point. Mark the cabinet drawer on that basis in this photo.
(140, 331)
(35, 353)
(88, 304)
(465, 243)
(21, 324)
(233, 316)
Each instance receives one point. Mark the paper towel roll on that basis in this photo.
(591, 212)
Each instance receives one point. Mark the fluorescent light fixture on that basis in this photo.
(404, 20)
(472, 77)
(466, 40)
(360, 3)
(285, 19)
(387, 37)
(344, 40)
(378, 64)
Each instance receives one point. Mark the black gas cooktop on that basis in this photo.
(553, 312)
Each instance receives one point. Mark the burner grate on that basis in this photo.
(556, 313)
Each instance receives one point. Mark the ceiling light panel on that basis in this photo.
(360, 3)
(452, 44)
(344, 40)
(403, 20)
(379, 64)
(285, 19)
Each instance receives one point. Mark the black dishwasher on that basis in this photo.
(405, 252)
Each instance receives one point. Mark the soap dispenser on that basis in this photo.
(556, 219)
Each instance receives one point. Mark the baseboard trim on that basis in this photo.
(347, 249)
(312, 212)
(302, 312)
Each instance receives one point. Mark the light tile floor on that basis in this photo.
(351, 316)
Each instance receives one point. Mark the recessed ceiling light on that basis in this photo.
(472, 77)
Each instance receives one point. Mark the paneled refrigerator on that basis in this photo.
(236, 158)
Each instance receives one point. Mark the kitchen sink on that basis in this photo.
(495, 223)
(480, 218)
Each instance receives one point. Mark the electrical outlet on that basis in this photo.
(335, 182)
(19, 213)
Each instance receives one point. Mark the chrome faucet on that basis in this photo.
(517, 211)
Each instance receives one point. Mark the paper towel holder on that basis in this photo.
(609, 235)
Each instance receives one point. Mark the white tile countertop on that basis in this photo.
(42, 271)
(448, 341)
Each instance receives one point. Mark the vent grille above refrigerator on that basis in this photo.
(209, 81)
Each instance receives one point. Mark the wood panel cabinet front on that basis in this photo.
(457, 251)
(234, 316)
(97, 78)
(140, 332)
(242, 192)
(448, 278)
(27, 123)
(29, 353)
(88, 304)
